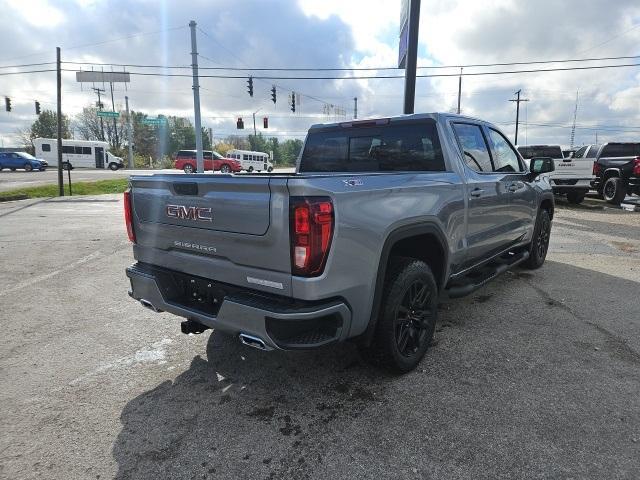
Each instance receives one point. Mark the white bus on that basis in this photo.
(252, 161)
(77, 153)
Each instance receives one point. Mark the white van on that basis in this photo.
(77, 153)
(252, 161)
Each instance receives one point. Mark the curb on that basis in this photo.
(11, 198)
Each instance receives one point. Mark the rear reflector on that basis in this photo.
(128, 215)
(636, 167)
(311, 231)
(596, 169)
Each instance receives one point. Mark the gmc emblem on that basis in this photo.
(200, 214)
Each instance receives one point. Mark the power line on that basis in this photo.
(28, 65)
(374, 77)
(610, 39)
(344, 69)
(28, 71)
(73, 47)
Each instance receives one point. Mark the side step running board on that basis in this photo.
(468, 284)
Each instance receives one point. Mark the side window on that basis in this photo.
(86, 150)
(505, 158)
(46, 147)
(68, 149)
(580, 152)
(475, 150)
(78, 150)
(245, 156)
(593, 151)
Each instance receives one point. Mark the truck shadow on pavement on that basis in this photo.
(502, 394)
(244, 410)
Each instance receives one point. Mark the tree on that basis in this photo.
(87, 124)
(46, 126)
(222, 148)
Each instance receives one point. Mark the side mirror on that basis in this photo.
(541, 165)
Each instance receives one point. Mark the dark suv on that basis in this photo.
(617, 171)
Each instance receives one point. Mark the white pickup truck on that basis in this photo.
(572, 176)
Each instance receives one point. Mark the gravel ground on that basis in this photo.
(536, 375)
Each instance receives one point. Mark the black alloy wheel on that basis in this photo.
(413, 318)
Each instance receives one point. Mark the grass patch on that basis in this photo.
(78, 188)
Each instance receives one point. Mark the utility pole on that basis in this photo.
(518, 100)
(59, 91)
(459, 89)
(254, 122)
(129, 133)
(412, 57)
(211, 137)
(100, 106)
(113, 109)
(196, 98)
(355, 107)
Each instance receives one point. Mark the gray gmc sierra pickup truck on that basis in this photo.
(380, 218)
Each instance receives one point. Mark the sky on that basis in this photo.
(251, 34)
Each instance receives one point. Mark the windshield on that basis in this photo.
(217, 156)
(26, 155)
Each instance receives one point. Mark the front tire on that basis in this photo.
(540, 241)
(575, 198)
(225, 168)
(407, 317)
(28, 167)
(188, 168)
(113, 166)
(270, 169)
(250, 169)
(614, 191)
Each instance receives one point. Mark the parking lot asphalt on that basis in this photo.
(20, 179)
(536, 375)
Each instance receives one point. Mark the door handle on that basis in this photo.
(477, 192)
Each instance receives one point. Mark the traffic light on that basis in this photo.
(7, 104)
(293, 102)
(273, 94)
(37, 108)
(265, 122)
(240, 124)
(250, 86)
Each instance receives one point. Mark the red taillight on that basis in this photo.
(128, 215)
(596, 169)
(636, 167)
(311, 232)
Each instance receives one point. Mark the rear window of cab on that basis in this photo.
(403, 146)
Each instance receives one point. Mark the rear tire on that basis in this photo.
(540, 241)
(575, 198)
(28, 167)
(407, 317)
(614, 191)
(188, 168)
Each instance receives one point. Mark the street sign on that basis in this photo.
(154, 121)
(109, 114)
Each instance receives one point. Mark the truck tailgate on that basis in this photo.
(226, 228)
(570, 168)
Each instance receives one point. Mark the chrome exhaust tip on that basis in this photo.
(252, 341)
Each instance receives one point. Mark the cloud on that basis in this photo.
(336, 33)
